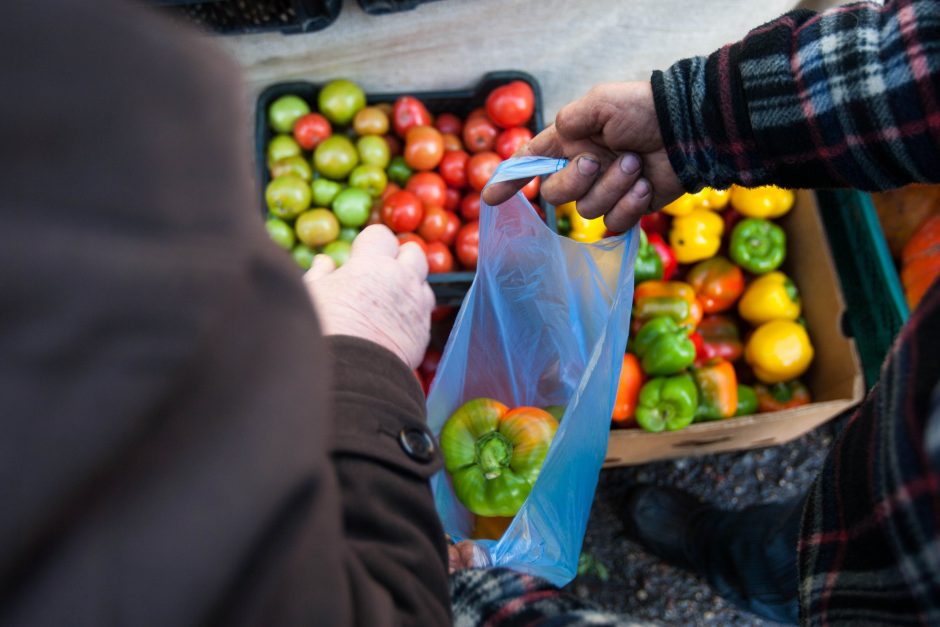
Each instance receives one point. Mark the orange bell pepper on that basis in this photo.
(628, 390)
(717, 391)
(781, 396)
(666, 298)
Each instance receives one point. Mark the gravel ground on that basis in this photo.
(643, 587)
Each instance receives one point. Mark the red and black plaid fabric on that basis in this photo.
(870, 542)
(845, 98)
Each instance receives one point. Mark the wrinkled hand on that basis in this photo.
(465, 554)
(619, 168)
(381, 294)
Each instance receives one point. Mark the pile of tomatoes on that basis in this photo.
(340, 164)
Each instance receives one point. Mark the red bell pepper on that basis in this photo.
(717, 282)
(720, 338)
(655, 223)
(670, 265)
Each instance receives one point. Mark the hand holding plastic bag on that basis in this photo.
(545, 323)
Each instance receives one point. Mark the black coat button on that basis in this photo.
(418, 444)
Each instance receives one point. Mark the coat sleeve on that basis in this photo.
(178, 443)
(843, 98)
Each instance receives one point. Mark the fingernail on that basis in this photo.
(641, 188)
(588, 166)
(629, 163)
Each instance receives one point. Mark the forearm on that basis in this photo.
(384, 455)
(845, 98)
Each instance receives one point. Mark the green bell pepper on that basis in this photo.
(648, 265)
(747, 401)
(758, 245)
(667, 403)
(663, 347)
(494, 454)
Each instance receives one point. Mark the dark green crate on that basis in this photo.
(875, 304)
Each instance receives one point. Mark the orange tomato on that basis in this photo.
(424, 148)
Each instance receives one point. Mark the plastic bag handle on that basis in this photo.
(526, 168)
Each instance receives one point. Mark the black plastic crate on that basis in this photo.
(449, 287)
(233, 17)
(875, 304)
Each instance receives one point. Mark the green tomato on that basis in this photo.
(287, 196)
(352, 206)
(324, 191)
(339, 251)
(281, 232)
(335, 157)
(348, 234)
(295, 165)
(282, 147)
(370, 178)
(317, 227)
(303, 255)
(373, 149)
(399, 171)
(340, 100)
(285, 111)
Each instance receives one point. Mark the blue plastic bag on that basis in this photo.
(544, 323)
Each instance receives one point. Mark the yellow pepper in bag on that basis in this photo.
(779, 350)
(696, 236)
(582, 229)
(706, 198)
(771, 297)
(762, 202)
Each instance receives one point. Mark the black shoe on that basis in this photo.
(747, 557)
(668, 522)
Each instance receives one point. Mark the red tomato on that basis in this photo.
(511, 105)
(434, 224)
(429, 187)
(440, 258)
(404, 238)
(480, 168)
(440, 312)
(402, 211)
(394, 145)
(531, 189)
(452, 142)
(448, 123)
(452, 199)
(375, 216)
(479, 134)
(450, 231)
(510, 140)
(424, 147)
(476, 113)
(311, 129)
(470, 207)
(453, 168)
(390, 188)
(468, 244)
(407, 112)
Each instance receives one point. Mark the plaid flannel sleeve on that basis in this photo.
(845, 98)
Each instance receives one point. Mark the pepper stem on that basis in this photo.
(494, 452)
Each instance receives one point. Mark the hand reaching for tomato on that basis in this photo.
(619, 167)
(381, 294)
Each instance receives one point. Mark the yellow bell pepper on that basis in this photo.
(779, 350)
(582, 229)
(706, 198)
(771, 297)
(696, 236)
(762, 202)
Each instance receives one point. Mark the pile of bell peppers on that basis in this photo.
(716, 329)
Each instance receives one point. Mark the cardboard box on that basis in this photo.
(835, 379)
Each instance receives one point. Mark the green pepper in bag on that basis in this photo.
(667, 403)
(494, 454)
(758, 245)
(663, 347)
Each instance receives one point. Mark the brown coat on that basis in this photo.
(178, 444)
